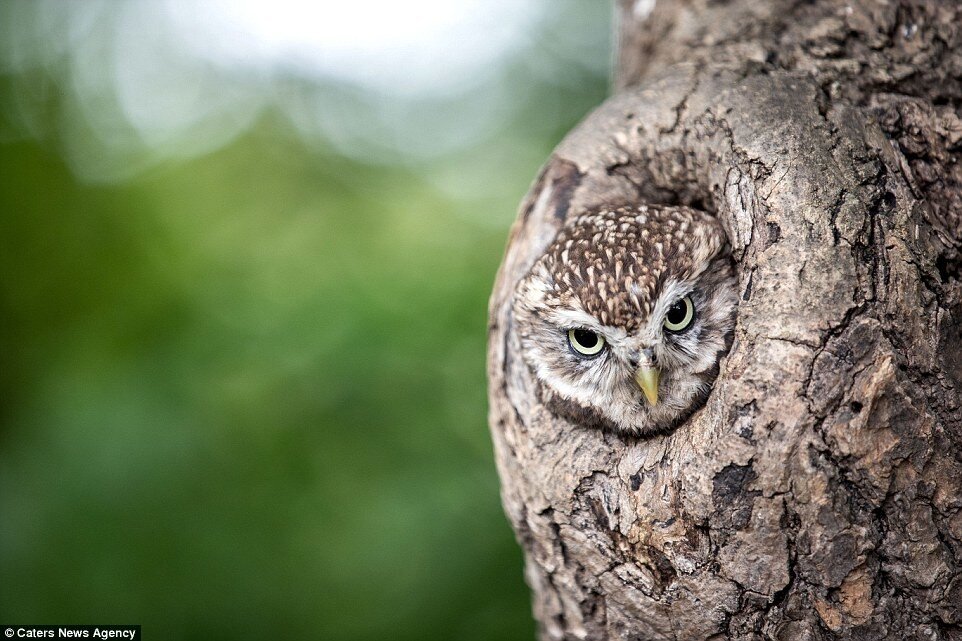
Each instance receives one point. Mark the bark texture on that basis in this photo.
(818, 495)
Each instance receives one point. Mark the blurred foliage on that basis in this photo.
(242, 394)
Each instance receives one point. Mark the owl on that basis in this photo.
(625, 316)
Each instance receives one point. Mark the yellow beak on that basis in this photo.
(647, 379)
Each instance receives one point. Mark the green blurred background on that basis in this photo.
(243, 286)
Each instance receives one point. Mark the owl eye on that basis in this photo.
(585, 342)
(680, 315)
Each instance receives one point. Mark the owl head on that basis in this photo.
(625, 316)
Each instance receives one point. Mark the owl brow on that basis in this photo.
(564, 320)
(673, 292)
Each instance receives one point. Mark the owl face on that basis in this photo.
(625, 316)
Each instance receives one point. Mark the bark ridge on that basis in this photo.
(818, 495)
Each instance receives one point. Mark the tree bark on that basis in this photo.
(818, 494)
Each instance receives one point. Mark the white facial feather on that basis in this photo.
(617, 273)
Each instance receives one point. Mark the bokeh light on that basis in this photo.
(245, 254)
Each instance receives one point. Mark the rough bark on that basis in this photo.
(818, 495)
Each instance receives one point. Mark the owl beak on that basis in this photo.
(647, 379)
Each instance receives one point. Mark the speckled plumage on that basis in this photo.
(616, 272)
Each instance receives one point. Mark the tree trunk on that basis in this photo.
(818, 494)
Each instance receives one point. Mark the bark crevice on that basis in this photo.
(818, 494)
